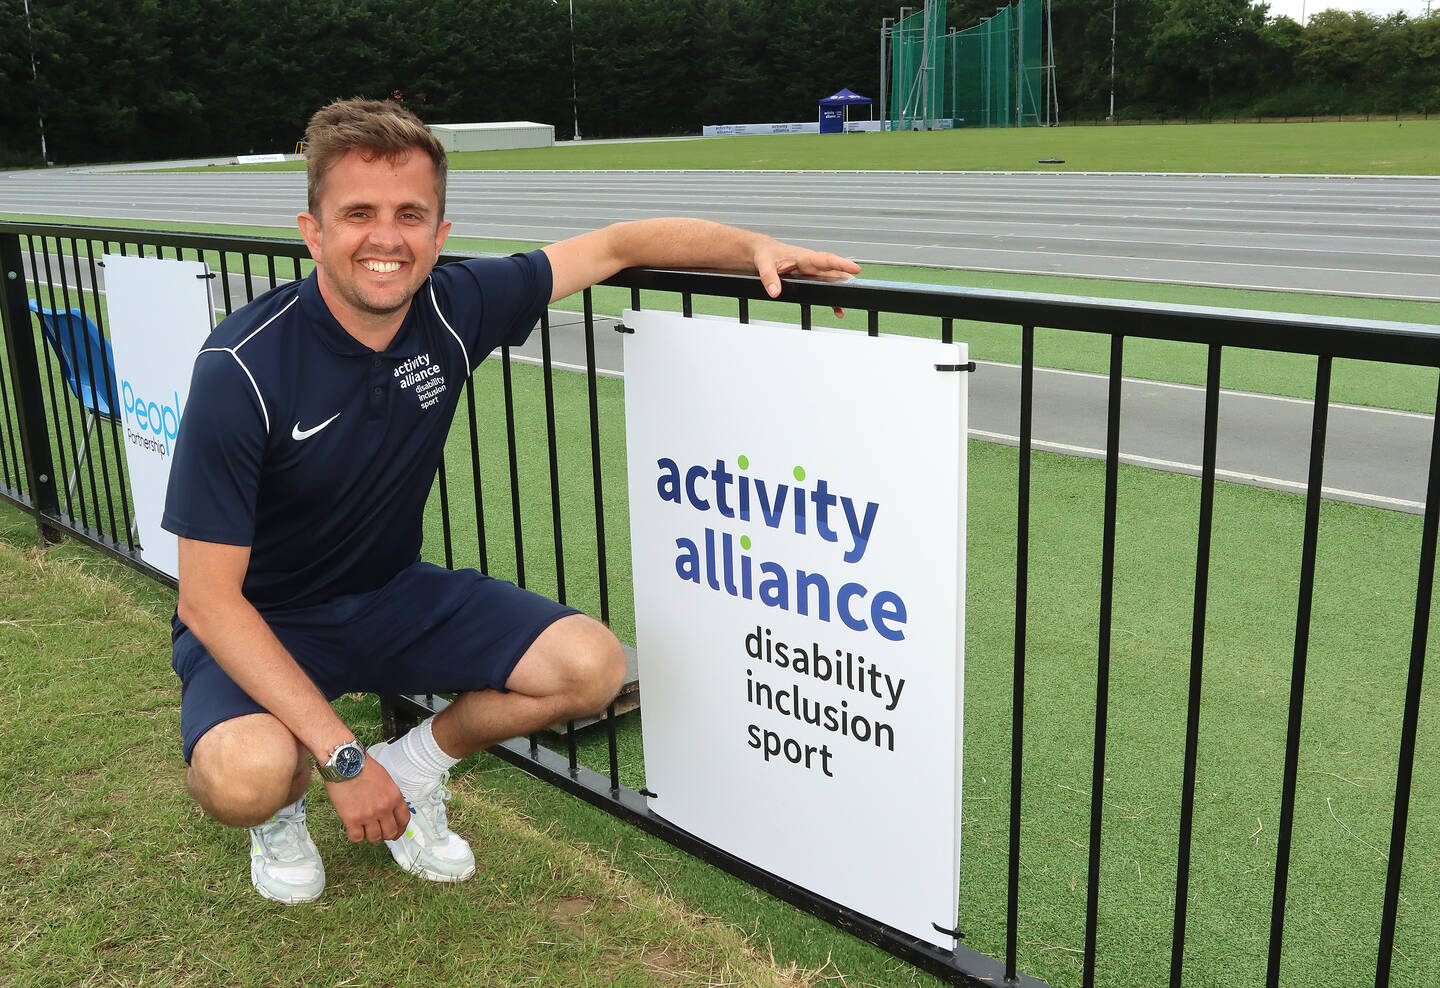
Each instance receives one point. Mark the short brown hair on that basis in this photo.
(374, 128)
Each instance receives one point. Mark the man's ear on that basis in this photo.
(442, 232)
(313, 234)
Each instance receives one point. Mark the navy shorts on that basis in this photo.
(429, 630)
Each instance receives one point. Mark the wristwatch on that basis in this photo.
(345, 762)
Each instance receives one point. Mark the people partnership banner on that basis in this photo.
(160, 313)
(797, 507)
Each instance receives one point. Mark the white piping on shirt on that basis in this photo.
(464, 352)
(233, 351)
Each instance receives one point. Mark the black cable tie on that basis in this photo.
(956, 367)
(647, 792)
(101, 263)
(620, 327)
(954, 933)
(202, 277)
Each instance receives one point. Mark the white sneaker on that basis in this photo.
(284, 864)
(429, 847)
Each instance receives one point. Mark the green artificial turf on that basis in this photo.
(1354, 687)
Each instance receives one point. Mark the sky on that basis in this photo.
(1295, 9)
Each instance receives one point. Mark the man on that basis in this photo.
(315, 424)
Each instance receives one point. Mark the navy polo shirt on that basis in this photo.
(316, 451)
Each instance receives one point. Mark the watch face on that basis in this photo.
(349, 760)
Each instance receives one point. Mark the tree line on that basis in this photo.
(117, 80)
(1224, 58)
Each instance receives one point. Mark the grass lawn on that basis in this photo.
(111, 875)
(1382, 147)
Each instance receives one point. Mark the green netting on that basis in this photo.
(986, 76)
(1032, 85)
(913, 48)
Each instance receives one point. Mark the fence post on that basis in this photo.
(29, 399)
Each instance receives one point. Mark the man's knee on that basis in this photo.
(598, 666)
(586, 660)
(245, 769)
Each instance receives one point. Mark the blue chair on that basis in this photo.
(77, 343)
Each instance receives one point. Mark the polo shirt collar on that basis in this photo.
(405, 344)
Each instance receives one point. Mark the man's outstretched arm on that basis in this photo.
(678, 242)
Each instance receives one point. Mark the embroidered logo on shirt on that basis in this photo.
(298, 434)
(423, 375)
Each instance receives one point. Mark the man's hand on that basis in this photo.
(370, 805)
(773, 258)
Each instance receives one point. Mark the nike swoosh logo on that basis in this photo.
(298, 433)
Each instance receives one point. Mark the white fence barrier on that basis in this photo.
(809, 127)
(812, 127)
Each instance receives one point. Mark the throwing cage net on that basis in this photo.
(990, 75)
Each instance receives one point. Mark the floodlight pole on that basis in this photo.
(35, 75)
(1020, 63)
(900, 56)
(927, 64)
(574, 82)
(950, 61)
(884, 76)
(1114, 6)
(1054, 90)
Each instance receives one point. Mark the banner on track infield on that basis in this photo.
(160, 313)
(797, 516)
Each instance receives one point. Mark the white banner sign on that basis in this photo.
(751, 130)
(797, 505)
(160, 313)
(807, 127)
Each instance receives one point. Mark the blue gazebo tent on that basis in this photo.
(835, 110)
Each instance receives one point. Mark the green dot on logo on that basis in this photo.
(744, 541)
(799, 473)
(744, 462)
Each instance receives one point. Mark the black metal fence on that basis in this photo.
(64, 463)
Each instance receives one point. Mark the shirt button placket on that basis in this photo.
(377, 387)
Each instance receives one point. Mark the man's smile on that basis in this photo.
(381, 267)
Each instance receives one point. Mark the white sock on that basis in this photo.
(416, 760)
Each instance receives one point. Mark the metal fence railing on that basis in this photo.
(532, 488)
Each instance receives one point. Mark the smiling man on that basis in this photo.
(315, 424)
